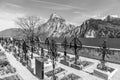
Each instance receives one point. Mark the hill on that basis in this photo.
(12, 32)
(98, 28)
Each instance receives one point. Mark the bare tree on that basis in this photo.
(28, 25)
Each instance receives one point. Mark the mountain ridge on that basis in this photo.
(57, 26)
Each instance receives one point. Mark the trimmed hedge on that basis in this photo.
(64, 62)
(76, 67)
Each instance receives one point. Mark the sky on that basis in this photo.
(74, 11)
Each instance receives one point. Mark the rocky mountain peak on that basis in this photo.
(54, 15)
(56, 26)
(56, 18)
(111, 18)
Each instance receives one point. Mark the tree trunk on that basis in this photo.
(25, 57)
(103, 56)
(54, 69)
(32, 52)
(75, 56)
(65, 54)
(48, 50)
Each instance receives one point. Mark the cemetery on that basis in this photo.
(49, 64)
(106, 72)
(36, 45)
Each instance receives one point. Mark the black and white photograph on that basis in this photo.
(59, 39)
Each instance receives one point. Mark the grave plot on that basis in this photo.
(13, 77)
(56, 71)
(48, 65)
(71, 77)
(105, 71)
(65, 62)
(80, 64)
(8, 69)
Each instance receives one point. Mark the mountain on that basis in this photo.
(113, 19)
(55, 26)
(12, 32)
(97, 28)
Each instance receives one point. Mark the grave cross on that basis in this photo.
(53, 50)
(19, 47)
(25, 49)
(76, 45)
(65, 45)
(47, 43)
(104, 51)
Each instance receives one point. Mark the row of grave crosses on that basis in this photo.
(75, 44)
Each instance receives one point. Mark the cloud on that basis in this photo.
(77, 12)
(79, 19)
(7, 19)
(13, 5)
(9, 16)
(5, 24)
(10, 5)
(114, 15)
(58, 6)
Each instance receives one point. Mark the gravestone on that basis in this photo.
(39, 68)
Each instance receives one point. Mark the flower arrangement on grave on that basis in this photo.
(105, 52)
